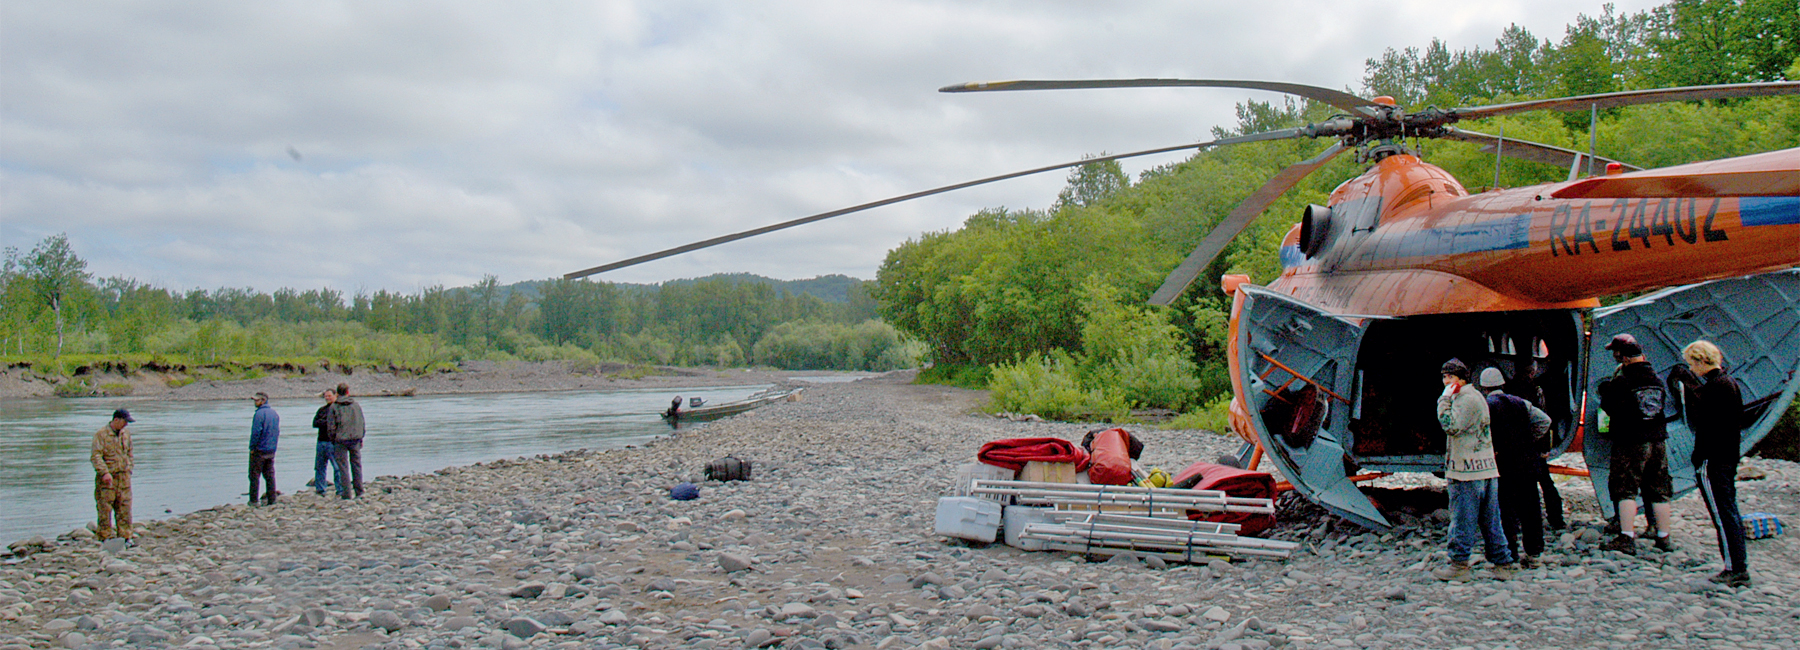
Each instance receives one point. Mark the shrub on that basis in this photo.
(1142, 379)
(1215, 416)
(1045, 385)
(972, 376)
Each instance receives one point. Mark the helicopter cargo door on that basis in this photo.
(1754, 319)
(1297, 369)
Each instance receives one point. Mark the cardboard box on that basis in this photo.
(1043, 472)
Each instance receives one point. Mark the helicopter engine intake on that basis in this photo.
(1315, 229)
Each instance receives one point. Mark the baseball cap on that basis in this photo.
(123, 414)
(1625, 344)
(1492, 378)
(260, 396)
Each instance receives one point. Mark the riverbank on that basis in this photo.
(468, 377)
(585, 549)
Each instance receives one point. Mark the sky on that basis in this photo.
(400, 145)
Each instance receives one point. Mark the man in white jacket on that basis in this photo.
(1473, 475)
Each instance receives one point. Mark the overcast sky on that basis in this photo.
(399, 145)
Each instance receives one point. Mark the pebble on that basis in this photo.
(831, 545)
(734, 562)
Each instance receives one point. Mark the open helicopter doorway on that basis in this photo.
(1393, 420)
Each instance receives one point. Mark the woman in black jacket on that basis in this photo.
(1715, 415)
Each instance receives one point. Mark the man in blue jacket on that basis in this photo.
(265, 432)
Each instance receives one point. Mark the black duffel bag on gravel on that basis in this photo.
(729, 468)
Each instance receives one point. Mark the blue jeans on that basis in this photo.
(1475, 509)
(322, 458)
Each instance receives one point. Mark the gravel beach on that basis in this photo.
(831, 545)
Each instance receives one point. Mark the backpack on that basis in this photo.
(729, 468)
(1651, 400)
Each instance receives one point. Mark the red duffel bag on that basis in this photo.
(1013, 453)
(1111, 458)
(1233, 482)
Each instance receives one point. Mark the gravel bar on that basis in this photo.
(831, 545)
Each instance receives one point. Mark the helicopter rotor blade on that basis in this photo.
(1235, 222)
(1528, 150)
(1632, 98)
(1337, 98)
(897, 199)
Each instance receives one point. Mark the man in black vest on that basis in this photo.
(1634, 399)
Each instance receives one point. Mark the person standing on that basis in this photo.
(1634, 399)
(1473, 477)
(1716, 417)
(345, 420)
(112, 461)
(265, 434)
(1520, 432)
(324, 454)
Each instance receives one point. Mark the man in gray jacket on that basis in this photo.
(1474, 488)
(345, 422)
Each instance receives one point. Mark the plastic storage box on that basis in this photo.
(971, 518)
(1017, 517)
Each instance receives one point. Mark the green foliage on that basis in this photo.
(1215, 416)
(810, 345)
(971, 376)
(1046, 384)
(1133, 353)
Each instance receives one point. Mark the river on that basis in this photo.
(194, 455)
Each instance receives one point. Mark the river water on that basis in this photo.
(194, 455)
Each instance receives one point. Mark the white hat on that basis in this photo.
(1491, 378)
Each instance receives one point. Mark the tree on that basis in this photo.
(53, 273)
(1092, 183)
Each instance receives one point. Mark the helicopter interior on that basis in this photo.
(1393, 423)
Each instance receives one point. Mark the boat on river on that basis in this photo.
(709, 412)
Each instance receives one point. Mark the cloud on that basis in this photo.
(444, 141)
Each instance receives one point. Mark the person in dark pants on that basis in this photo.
(345, 420)
(265, 433)
(1634, 400)
(1520, 433)
(324, 451)
(1716, 417)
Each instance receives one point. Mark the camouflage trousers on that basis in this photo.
(113, 505)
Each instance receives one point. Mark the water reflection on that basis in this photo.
(193, 455)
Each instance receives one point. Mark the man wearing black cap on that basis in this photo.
(112, 477)
(1634, 399)
(265, 434)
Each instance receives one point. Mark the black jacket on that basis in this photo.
(1716, 417)
(322, 422)
(1620, 397)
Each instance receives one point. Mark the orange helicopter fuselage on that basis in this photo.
(1406, 239)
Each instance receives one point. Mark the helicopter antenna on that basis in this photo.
(1593, 127)
(1499, 146)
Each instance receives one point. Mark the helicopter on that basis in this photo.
(1334, 364)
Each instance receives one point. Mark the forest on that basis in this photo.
(1046, 307)
(58, 317)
